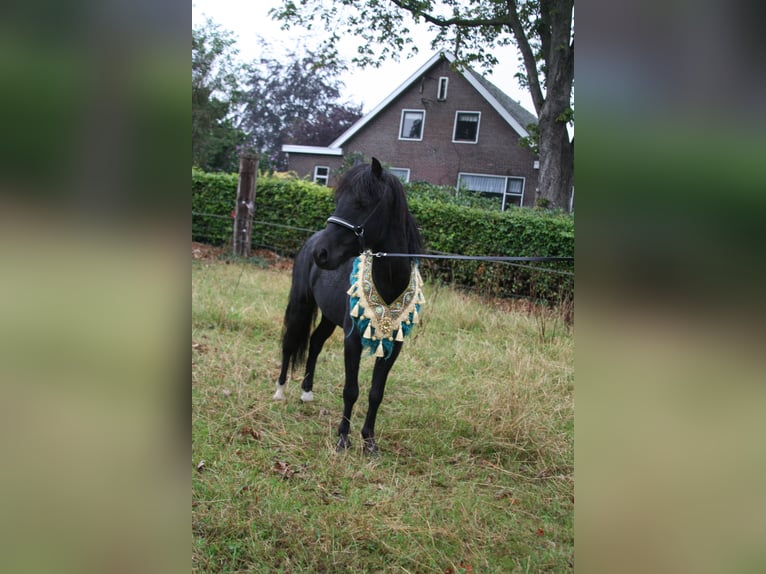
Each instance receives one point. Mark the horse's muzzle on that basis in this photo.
(333, 247)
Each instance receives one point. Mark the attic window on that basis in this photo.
(441, 92)
(411, 126)
(466, 127)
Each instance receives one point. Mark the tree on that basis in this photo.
(325, 128)
(542, 31)
(294, 100)
(215, 78)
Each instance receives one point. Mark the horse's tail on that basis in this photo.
(301, 312)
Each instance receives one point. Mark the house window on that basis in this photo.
(321, 174)
(411, 127)
(402, 173)
(441, 92)
(514, 192)
(509, 190)
(466, 127)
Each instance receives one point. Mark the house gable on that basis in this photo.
(436, 125)
(510, 111)
(438, 156)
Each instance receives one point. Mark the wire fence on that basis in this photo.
(217, 230)
(552, 281)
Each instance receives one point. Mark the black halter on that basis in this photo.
(357, 229)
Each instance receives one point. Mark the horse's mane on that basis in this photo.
(360, 178)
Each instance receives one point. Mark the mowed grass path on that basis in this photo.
(476, 433)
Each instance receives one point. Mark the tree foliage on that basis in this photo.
(326, 127)
(260, 105)
(541, 30)
(215, 77)
(294, 100)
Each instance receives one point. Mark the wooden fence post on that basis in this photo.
(243, 213)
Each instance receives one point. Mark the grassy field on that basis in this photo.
(476, 434)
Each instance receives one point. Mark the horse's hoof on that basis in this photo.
(370, 447)
(307, 396)
(344, 443)
(280, 394)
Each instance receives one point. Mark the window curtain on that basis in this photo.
(483, 183)
(514, 186)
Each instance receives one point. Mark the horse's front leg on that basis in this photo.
(352, 352)
(317, 341)
(379, 378)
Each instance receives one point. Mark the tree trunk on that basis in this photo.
(556, 162)
(557, 49)
(243, 213)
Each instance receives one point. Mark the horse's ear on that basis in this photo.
(377, 169)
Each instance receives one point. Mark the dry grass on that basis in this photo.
(476, 434)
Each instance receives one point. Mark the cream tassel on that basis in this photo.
(379, 352)
(367, 332)
(415, 317)
(355, 311)
(399, 335)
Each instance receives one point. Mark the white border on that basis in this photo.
(454, 127)
(505, 177)
(422, 126)
(402, 169)
(446, 88)
(311, 149)
(316, 167)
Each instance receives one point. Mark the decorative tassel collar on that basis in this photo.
(381, 324)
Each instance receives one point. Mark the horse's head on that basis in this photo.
(370, 210)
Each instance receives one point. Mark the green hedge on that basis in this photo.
(280, 203)
(289, 203)
(446, 227)
(519, 232)
(213, 199)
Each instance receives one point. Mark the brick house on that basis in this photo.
(441, 126)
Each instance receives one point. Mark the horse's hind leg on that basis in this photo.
(318, 338)
(279, 395)
(295, 337)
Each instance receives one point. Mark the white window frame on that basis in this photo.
(422, 125)
(439, 96)
(505, 186)
(318, 177)
(406, 174)
(454, 127)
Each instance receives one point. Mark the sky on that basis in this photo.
(248, 19)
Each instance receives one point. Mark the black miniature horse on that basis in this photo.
(370, 213)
